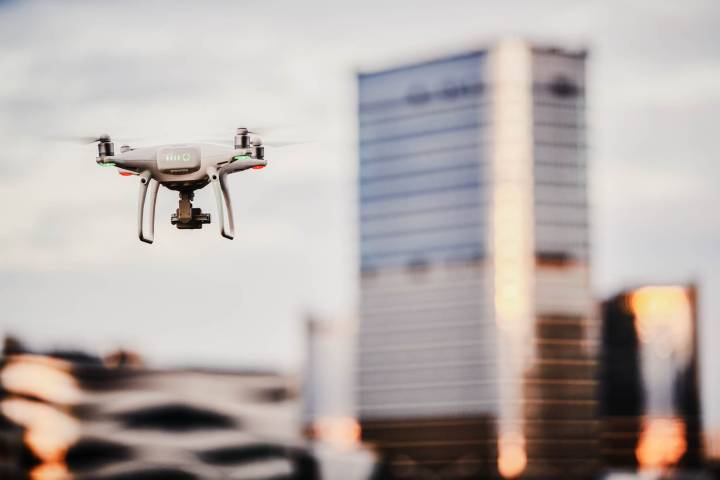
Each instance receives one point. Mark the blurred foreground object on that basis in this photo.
(64, 418)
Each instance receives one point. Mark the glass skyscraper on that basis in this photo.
(477, 339)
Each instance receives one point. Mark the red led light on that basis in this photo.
(126, 174)
(258, 167)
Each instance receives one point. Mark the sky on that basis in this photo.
(73, 274)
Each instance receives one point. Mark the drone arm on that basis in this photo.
(240, 165)
(126, 161)
(146, 180)
(224, 206)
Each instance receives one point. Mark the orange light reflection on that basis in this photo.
(661, 444)
(341, 432)
(512, 458)
(50, 471)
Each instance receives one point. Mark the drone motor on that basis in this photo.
(105, 146)
(258, 151)
(242, 138)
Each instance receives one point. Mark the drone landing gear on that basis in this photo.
(186, 217)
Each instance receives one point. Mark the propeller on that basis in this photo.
(266, 129)
(102, 138)
(287, 144)
(82, 138)
(86, 140)
(272, 143)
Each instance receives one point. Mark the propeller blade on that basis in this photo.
(266, 129)
(281, 144)
(271, 143)
(81, 138)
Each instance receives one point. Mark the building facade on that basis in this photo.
(476, 334)
(649, 389)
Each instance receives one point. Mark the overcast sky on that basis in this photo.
(72, 272)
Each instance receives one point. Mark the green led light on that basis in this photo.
(241, 157)
(109, 164)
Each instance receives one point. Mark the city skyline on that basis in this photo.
(662, 92)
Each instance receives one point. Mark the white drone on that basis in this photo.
(184, 168)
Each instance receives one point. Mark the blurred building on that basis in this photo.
(650, 403)
(328, 403)
(81, 419)
(476, 335)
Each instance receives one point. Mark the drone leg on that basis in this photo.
(152, 201)
(223, 203)
(228, 206)
(144, 180)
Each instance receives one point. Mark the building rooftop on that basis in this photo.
(384, 67)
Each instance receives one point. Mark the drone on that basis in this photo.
(184, 168)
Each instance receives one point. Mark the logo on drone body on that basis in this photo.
(178, 157)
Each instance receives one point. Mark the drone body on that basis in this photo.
(184, 168)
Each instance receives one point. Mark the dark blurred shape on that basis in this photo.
(153, 473)
(242, 453)
(621, 393)
(553, 259)
(12, 346)
(649, 394)
(302, 464)
(124, 358)
(274, 394)
(90, 453)
(174, 418)
(75, 356)
(11, 472)
(99, 378)
(563, 87)
(453, 447)
(14, 454)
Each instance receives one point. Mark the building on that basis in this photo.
(75, 417)
(328, 404)
(650, 402)
(476, 335)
